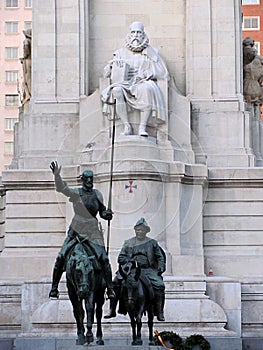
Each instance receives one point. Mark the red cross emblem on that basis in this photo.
(130, 186)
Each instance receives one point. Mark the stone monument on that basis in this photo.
(193, 178)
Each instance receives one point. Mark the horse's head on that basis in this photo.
(83, 273)
(130, 273)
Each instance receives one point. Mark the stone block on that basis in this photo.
(34, 239)
(233, 223)
(233, 263)
(10, 309)
(70, 344)
(227, 294)
(187, 265)
(36, 210)
(235, 208)
(48, 196)
(252, 343)
(6, 344)
(230, 238)
(27, 263)
(230, 343)
(33, 344)
(36, 225)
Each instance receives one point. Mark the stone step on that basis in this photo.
(70, 344)
(117, 343)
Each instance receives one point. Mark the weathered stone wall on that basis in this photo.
(233, 245)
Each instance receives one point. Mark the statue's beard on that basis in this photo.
(135, 45)
(135, 42)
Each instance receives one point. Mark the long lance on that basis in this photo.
(111, 173)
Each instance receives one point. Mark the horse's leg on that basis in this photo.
(99, 333)
(99, 304)
(150, 314)
(78, 313)
(90, 317)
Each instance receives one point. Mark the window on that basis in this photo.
(11, 52)
(8, 147)
(11, 27)
(9, 123)
(250, 2)
(27, 25)
(11, 100)
(251, 23)
(28, 3)
(257, 46)
(11, 3)
(11, 76)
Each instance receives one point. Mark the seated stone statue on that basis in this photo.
(151, 259)
(134, 72)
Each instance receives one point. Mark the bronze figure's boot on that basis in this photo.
(108, 279)
(57, 273)
(112, 312)
(159, 304)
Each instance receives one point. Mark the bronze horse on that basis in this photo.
(137, 300)
(85, 285)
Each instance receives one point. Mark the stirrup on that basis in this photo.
(111, 314)
(111, 294)
(54, 293)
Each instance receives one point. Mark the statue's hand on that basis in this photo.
(159, 272)
(138, 78)
(55, 168)
(145, 75)
(108, 214)
(148, 74)
(118, 62)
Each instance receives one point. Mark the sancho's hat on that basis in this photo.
(142, 222)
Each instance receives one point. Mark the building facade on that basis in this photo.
(15, 16)
(253, 22)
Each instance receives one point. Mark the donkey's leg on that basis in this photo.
(150, 314)
(133, 327)
(78, 312)
(139, 325)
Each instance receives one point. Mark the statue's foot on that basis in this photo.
(142, 131)
(127, 129)
(111, 314)
(160, 317)
(54, 293)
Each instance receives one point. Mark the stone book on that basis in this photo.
(119, 73)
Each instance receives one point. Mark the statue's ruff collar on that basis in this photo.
(138, 48)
